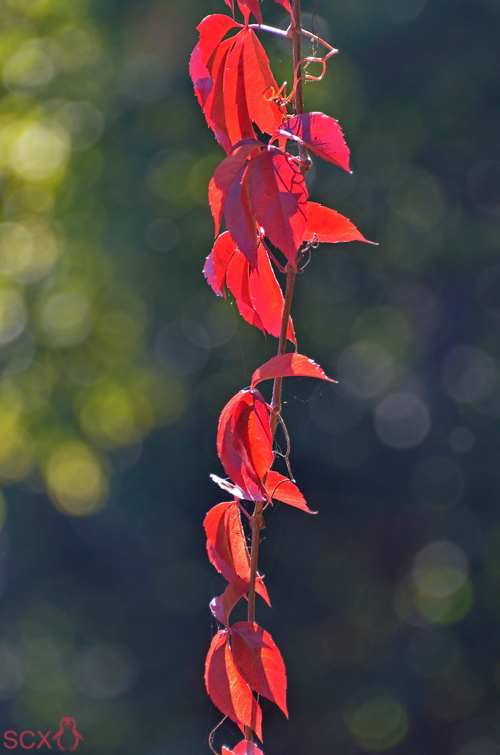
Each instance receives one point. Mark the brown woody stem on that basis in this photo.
(257, 521)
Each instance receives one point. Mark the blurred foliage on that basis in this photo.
(76, 382)
(386, 605)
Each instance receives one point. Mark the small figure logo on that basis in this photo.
(67, 737)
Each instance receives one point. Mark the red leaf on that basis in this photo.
(259, 85)
(322, 135)
(225, 174)
(217, 261)
(200, 76)
(203, 86)
(259, 661)
(215, 105)
(226, 545)
(244, 442)
(284, 490)
(279, 200)
(267, 297)
(250, 6)
(212, 31)
(238, 123)
(227, 688)
(328, 226)
(238, 282)
(243, 748)
(222, 606)
(239, 218)
(230, 3)
(285, 4)
(257, 292)
(288, 365)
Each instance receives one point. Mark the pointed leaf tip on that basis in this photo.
(227, 688)
(285, 4)
(259, 661)
(328, 226)
(286, 491)
(288, 365)
(322, 135)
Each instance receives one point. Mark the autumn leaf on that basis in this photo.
(259, 661)
(288, 365)
(279, 200)
(260, 85)
(222, 606)
(226, 173)
(226, 687)
(212, 31)
(226, 545)
(327, 226)
(322, 135)
(245, 747)
(203, 86)
(285, 4)
(236, 115)
(267, 297)
(250, 6)
(215, 106)
(244, 442)
(217, 262)
(240, 220)
(286, 491)
(257, 292)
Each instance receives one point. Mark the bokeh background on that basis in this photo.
(116, 360)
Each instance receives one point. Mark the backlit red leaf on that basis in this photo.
(250, 6)
(227, 688)
(225, 174)
(243, 748)
(326, 225)
(222, 606)
(322, 135)
(239, 217)
(288, 365)
(200, 76)
(212, 31)
(285, 4)
(203, 86)
(244, 442)
(279, 200)
(226, 545)
(258, 295)
(238, 281)
(267, 297)
(259, 85)
(217, 261)
(215, 110)
(286, 491)
(238, 123)
(259, 661)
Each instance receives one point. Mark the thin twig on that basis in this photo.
(286, 35)
(287, 455)
(212, 733)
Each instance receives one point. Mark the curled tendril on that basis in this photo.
(280, 97)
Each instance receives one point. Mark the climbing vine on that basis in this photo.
(260, 191)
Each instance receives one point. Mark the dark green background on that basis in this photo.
(104, 617)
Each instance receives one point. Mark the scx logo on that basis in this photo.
(67, 738)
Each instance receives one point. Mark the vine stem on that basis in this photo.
(257, 520)
(286, 35)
